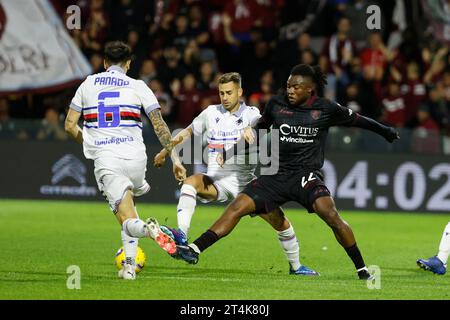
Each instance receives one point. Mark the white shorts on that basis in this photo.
(115, 176)
(228, 187)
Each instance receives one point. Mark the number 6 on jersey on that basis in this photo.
(104, 113)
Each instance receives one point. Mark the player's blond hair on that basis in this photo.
(231, 77)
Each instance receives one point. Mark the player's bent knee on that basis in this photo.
(193, 181)
(277, 221)
(240, 206)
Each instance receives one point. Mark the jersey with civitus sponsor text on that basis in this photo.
(303, 130)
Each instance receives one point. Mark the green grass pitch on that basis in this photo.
(41, 239)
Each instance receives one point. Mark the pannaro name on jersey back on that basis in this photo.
(111, 104)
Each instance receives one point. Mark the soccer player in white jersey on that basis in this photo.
(438, 263)
(110, 103)
(224, 125)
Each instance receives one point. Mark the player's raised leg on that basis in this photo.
(438, 264)
(197, 184)
(288, 241)
(136, 228)
(240, 207)
(326, 210)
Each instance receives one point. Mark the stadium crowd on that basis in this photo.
(399, 74)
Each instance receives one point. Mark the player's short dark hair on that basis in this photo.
(231, 77)
(315, 73)
(117, 52)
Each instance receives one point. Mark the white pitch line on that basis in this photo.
(195, 278)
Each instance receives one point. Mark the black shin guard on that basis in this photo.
(354, 254)
(206, 240)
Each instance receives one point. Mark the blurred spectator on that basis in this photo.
(256, 60)
(96, 61)
(426, 135)
(261, 97)
(164, 99)
(188, 99)
(438, 64)
(156, 86)
(191, 56)
(336, 57)
(129, 15)
(409, 49)
(211, 96)
(375, 57)
(139, 50)
(148, 71)
(51, 127)
(374, 60)
(206, 77)
(171, 68)
(181, 34)
(439, 107)
(166, 104)
(160, 36)
(301, 52)
(356, 12)
(308, 57)
(394, 106)
(244, 14)
(95, 31)
(360, 100)
(198, 27)
(414, 92)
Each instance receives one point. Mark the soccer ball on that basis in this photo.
(140, 260)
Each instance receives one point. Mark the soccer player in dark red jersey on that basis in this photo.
(302, 117)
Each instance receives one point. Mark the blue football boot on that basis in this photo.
(176, 234)
(187, 254)
(433, 264)
(303, 271)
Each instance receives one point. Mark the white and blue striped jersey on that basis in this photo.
(224, 129)
(111, 104)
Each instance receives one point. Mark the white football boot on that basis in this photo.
(128, 272)
(163, 240)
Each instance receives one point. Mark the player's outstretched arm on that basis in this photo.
(71, 126)
(343, 116)
(161, 130)
(389, 133)
(180, 138)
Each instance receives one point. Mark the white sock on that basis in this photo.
(130, 246)
(134, 228)
(194, 247)
(444, 246)
(186, 207)
(289, 243)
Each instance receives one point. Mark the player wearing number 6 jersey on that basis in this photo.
(302, 119)
(110, 103)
